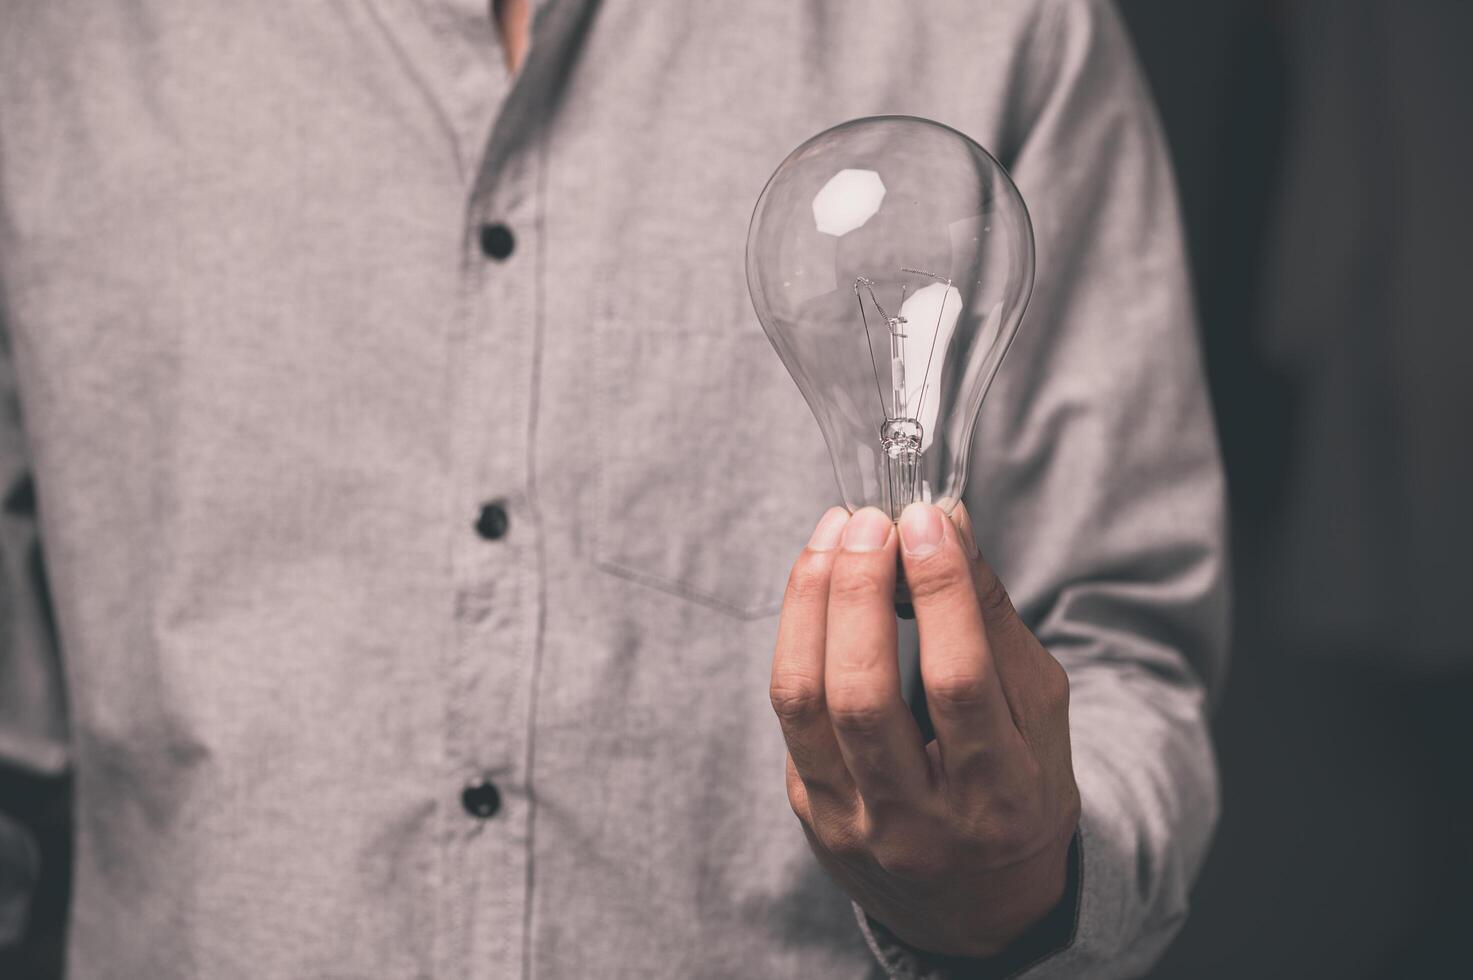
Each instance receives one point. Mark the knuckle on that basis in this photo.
(957, 687)
(858, 709)
(841, 839)
(1009, 828)
(808, 582)
(857, 583)
(1073, 806)
(797, 795)
(992, 836)
(1055, 684)
(796, 701)
(913, 862)
(939, 580)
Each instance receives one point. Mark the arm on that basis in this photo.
(1098, 490)
(1102, 492)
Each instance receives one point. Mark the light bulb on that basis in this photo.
(890, 260)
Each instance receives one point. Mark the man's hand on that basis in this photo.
(959, 845)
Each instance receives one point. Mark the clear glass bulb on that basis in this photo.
(890, 260)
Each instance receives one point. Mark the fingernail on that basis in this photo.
(920, 530)
(830, 528)
(867, 530)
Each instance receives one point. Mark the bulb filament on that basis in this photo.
(901, 433)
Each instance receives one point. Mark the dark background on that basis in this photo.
(1322, 150)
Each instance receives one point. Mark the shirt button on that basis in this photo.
(497, 241)
(481, 799)
(493, 522)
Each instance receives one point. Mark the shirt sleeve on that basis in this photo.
(1098, 495)
(33, 728)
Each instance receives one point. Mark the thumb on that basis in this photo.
(997, 607)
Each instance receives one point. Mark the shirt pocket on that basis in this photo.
(711, 469)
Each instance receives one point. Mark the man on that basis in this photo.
(392, 411)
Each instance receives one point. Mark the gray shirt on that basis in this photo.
(267, 380)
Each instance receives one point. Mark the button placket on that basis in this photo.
(495, 572)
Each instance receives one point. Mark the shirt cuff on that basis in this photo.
(1052, 935)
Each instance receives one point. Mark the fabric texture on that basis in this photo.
(265, 380)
